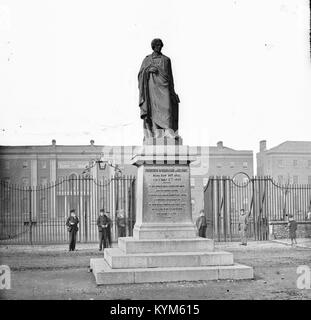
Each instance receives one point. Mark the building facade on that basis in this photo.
(40, 165)
(289, 162)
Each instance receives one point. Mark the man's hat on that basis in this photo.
(72, 210)
(103, 210)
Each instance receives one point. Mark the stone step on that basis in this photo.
(131, 245)
(118, 259)
(106, 275)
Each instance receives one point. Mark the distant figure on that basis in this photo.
(121, 224)
(292, 227)
(72, 226)
(263, 226)
(201, 224)
(103, 224)
(243, 224)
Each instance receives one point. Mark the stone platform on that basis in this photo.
(166, 260)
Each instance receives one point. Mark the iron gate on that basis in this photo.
(37, 215)
(262, 198)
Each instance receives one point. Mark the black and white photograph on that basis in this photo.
(155, 151)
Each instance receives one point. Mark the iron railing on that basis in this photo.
(264, 200)
(37, 214)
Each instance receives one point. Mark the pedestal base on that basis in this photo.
(166, 260)
(104, 274)
(164, 231)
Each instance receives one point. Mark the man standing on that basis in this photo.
(103, 223)
(72, 226)
(121, 224)
(201, 224)
(292, 228)
(243, 223)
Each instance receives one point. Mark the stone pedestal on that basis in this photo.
(164, 246)
(163, 202)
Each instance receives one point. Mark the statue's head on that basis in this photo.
(157, 45)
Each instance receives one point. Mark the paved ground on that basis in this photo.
(51, 272)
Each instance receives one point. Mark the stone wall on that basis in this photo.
(279, 230)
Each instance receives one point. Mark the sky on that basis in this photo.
(68, 70)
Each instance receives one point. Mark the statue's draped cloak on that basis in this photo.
(158, 101)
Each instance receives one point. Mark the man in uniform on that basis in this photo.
(72, 226)
(103, 223)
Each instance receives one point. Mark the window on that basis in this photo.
(5, 203)
(73, 176)
(218, 165)
(73, 181)
(204, 162)
(280, 164)
(193, 206)
(245, 165)
(43, 181)
(295, 163)
(192, 182)
(43, 207)
(102, 202)
(295, 179)
(280, 179)
(43, 164)
(25, 182)
(25, 164)
(24, 205)
(231, 164)
(6, 165)
(6, 180)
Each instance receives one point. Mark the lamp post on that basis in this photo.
(102, 165)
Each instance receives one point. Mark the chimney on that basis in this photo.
(263, 145)
(53, 142)
(220, 144)
(92, 142)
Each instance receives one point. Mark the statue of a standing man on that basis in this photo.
(158, 101)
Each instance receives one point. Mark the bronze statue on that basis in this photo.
(158, 101)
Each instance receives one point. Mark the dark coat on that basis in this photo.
(102, 221)
(201, 222)
(162, 87)
(72, 223)
(121, 222)
(292, 227)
